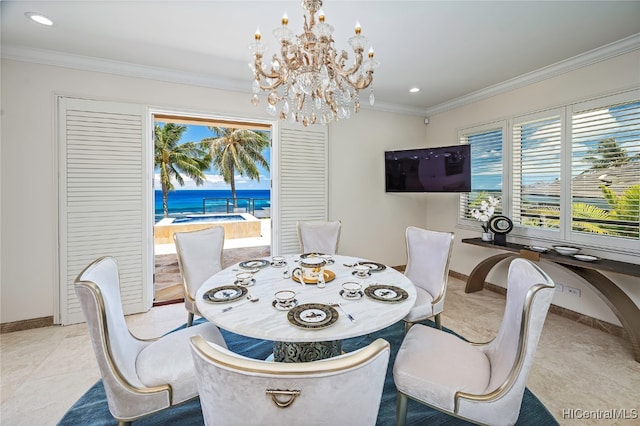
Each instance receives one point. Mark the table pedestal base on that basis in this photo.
(305, 351)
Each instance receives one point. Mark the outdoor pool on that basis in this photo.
(236, 225)
(199, 218)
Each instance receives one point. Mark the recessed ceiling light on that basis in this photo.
(414, 90)
(40, 19)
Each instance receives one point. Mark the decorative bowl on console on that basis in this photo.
(566, 250)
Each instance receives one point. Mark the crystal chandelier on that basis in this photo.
(310, 82)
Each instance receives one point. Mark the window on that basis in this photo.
(486, 166)
(605, 171)
(570, 174)
(535, 173)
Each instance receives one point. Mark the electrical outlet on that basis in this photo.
(573, 291)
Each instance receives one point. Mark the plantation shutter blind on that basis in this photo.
(536, 166)
(486, 167)
(302, 183)
(103, 196)
(605, 169)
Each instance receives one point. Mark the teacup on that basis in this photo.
(310, 269)
(278, 260)
(362, 270)
(285, 298)
(351, 289)
(244, 278)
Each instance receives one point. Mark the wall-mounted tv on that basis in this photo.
(440, 169)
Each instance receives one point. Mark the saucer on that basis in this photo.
(355, 274)
(357, 296)
(279, 307)
(373, 266)
(252, 281)
(253, 264)
(275, 265)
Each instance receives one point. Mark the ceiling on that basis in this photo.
(449, 49)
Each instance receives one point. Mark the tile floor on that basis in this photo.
(44, 371)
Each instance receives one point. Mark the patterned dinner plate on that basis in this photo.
(373, 266)
(312, 316)
(225, 293)
(386, 293)
(254, 263)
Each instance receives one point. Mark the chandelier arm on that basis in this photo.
(348, 72)
(260, 72)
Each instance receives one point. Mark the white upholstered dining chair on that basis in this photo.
(319, 237)
(483, 383)
(140, 377)
(344, 390)
(428, 257)
(199, 257)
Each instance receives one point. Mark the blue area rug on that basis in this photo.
(91, 408)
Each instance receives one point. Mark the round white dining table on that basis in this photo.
(293, 343)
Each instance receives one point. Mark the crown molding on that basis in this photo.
(86, 63)
(591, 57)
(49, 57)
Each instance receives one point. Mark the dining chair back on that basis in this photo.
(199, 257)
(140, 377)
(235, 390)
(319, 237)
(428, 257)
(483, 383)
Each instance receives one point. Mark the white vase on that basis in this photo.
(487, 236)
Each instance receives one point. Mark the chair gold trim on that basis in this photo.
(515, 371)
(443, 289)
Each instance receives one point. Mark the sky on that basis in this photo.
(214, 180)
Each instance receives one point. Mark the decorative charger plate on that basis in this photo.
(225, 293)
(312, 316)
(386, 293)
(373, 266)
(328, 277)
(254, 263)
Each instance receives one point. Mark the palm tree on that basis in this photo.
(237, 150)
(625, 208)
(608, 154)
(173, 159)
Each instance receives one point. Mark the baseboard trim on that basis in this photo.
(10, 327)
(612, 329)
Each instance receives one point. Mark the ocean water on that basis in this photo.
(182, 202)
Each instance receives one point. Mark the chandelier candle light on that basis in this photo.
(310, 82)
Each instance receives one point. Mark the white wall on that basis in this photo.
(373, 222)
(622, 72)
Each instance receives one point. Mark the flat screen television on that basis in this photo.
(439, 169)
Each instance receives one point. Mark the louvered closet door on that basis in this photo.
(302, 183)
(103, 199)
